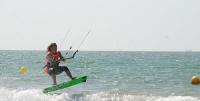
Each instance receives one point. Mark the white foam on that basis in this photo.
(118, 97)
(30, 95)
(37, 95)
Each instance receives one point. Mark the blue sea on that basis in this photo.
(112, 76)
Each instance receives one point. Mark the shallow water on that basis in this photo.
(112, 76)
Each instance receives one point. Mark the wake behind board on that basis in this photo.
(65, 84)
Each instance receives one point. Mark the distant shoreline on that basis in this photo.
(106, 51)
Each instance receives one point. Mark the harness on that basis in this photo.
(56, 56)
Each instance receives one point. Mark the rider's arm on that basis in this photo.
(72, 55)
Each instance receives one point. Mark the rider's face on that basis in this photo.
(54, 48)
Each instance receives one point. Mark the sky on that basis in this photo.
(116, 25)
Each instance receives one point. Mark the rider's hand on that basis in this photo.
(63, 59)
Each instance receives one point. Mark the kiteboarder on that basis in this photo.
(53, 58)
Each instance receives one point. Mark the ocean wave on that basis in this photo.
(30, 95)
(38, 95)
(127, 97)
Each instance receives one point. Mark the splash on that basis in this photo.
(37, 95)
(30, 95)
(118, 97)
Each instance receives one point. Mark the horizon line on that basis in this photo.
(108, 50)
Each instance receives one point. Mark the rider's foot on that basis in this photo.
(73, 78)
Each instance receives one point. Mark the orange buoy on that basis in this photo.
(195, 80)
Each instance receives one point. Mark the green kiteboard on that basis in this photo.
(65, 84)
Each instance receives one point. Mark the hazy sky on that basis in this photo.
(125, 25)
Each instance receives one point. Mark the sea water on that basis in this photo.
(112, 76)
